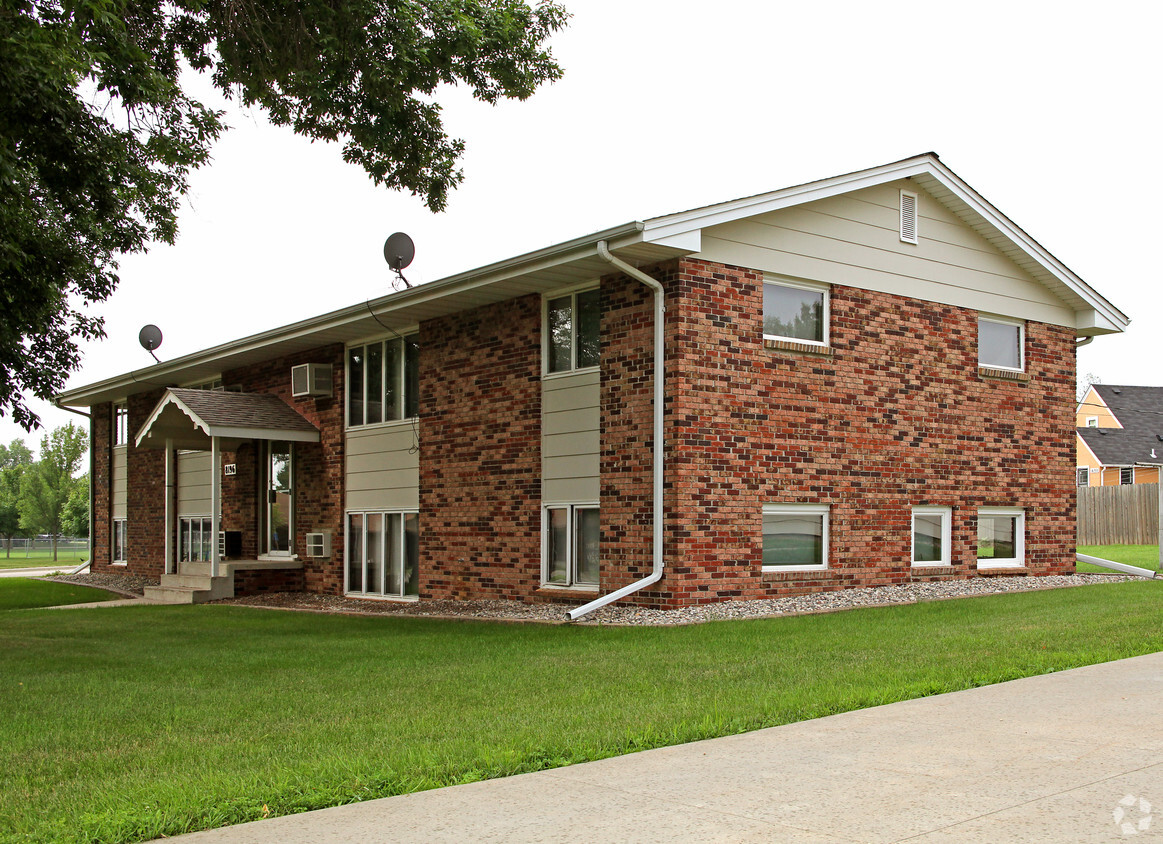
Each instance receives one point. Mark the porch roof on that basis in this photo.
(190, 418)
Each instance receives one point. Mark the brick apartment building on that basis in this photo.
(867, 380)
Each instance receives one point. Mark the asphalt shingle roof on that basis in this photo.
(242, 410)
(1140, 440)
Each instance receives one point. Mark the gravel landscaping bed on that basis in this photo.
(622, 614)
(497, 610)
(132, 585)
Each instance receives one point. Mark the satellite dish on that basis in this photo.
(399, 251)
(150, 338)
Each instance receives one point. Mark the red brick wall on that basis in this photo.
(318, 467)
(896, 417)
(145, 494)
(101, 444)
(480, 456)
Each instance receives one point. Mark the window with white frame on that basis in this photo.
(119, 540)
(1001, 536)
(383, 381)
(1127, 475)
(571, 545)
(383, 554)
(573, 325)
(795, 310)
(932, 532)
(1091, 421)
(194, 538)
(1001, 343)
(795, 537)
(1084, 476)
(120, 424)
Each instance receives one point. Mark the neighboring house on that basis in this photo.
(1120, 435)
(869, 379)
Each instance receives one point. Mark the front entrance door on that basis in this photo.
(280, 499)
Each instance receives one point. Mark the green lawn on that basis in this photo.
(21, 559)
(21, 593)
(1145, 556)
(123, 724)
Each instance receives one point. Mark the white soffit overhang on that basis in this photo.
(1096, 314)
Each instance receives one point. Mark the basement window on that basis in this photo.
(571, 545)
(1001, 535)
(383, 554)
(795, 537)
(119, 541)
(932, 532)
(194, 538)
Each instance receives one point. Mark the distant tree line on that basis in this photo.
(44, 496)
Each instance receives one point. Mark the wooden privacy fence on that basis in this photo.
(1118, 515)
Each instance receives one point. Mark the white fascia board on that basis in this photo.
(168, 399)
(1113, 317)
(661, 228)
(583, 247)
(236, 433)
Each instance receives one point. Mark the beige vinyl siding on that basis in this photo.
(120, 482)
(194, 483)
(570, 427)
(854, 240)
(383, 469)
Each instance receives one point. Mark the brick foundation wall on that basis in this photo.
(896, 416)
(480, 456)
(263, 582)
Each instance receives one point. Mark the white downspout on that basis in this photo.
(659, 449)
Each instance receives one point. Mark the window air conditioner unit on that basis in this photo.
(319, 544)
(311, 379)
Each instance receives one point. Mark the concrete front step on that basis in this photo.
(189, 588)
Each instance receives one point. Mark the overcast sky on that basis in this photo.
(1049, 110)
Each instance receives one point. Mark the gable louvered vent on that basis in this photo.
(908, 217)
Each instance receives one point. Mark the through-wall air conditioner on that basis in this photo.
(311, 379)
(319, 544)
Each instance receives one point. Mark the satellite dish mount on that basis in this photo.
(150, 338)
(399, 252)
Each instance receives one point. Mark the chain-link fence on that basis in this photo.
(39, 549)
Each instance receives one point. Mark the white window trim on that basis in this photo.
(120, 405)
(571, 291)
(1091, 421)
(1078, 476)
(189, 517)
(1017, 561)
(824, 510)
(377, 596)
(946, 514)
(113, 560)
(572, 506)
(826, 317)
(347, 426)
(1020, 325)
(1124, 469)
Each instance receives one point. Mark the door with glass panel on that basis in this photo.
(280, 499)
(383, 554)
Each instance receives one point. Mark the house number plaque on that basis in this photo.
(230, 469)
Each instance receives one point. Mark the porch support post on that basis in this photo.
(168, 564)
(215, 504)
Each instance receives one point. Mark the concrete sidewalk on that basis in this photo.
(35, 571)
(1050, 758)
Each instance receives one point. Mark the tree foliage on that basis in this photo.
(46, 486)
(15, 458)
(75, 516)
(98, 137)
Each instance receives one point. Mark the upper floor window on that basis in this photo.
(1001, 343)
(795, 311)
(1091, 421)
(213, 384)
(572, 331)
(120, 424)
(383, 381)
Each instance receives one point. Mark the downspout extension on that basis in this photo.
(659, 450)
(1123, 567)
